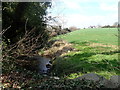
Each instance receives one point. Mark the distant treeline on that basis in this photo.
(108, 26)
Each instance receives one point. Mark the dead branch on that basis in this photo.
(4, 30)
(29, 44)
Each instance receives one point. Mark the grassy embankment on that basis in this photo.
(97, 52)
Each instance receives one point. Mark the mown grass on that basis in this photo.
(102, 60)
(97, 35)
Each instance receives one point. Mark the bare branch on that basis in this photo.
(4, 30)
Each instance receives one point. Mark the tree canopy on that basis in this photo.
(19, 17)
(24, 25)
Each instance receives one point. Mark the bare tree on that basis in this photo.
(115, 24)
(59, 19)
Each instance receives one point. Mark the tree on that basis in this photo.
(115, 24)
(12, 16)
(24, 25)
(73, 28)
(17, 14)
(58, 17)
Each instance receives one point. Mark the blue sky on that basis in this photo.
(84, 13)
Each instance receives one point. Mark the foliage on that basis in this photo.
(24, 32)
(24, 27)
(70, 84)
(108, 26)
(22, 17)
(20, 78)
(17, 77)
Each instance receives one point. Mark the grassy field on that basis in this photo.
(97, 35)
(97, 52)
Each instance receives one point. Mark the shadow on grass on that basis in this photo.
(111, 52)
(81, 63)
(88, 43)
(80, 43)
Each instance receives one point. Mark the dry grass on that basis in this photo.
(58, 48)
(102, 45)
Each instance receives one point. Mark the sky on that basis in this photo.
(85, 13)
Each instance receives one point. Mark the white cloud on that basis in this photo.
(107, 15)
(76, 4)
(86, 20)
(71, 4)
(86, 1)
(108, 7)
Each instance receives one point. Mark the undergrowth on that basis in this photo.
(15, 76)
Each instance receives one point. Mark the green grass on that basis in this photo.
(97, 35)
(99, 59)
